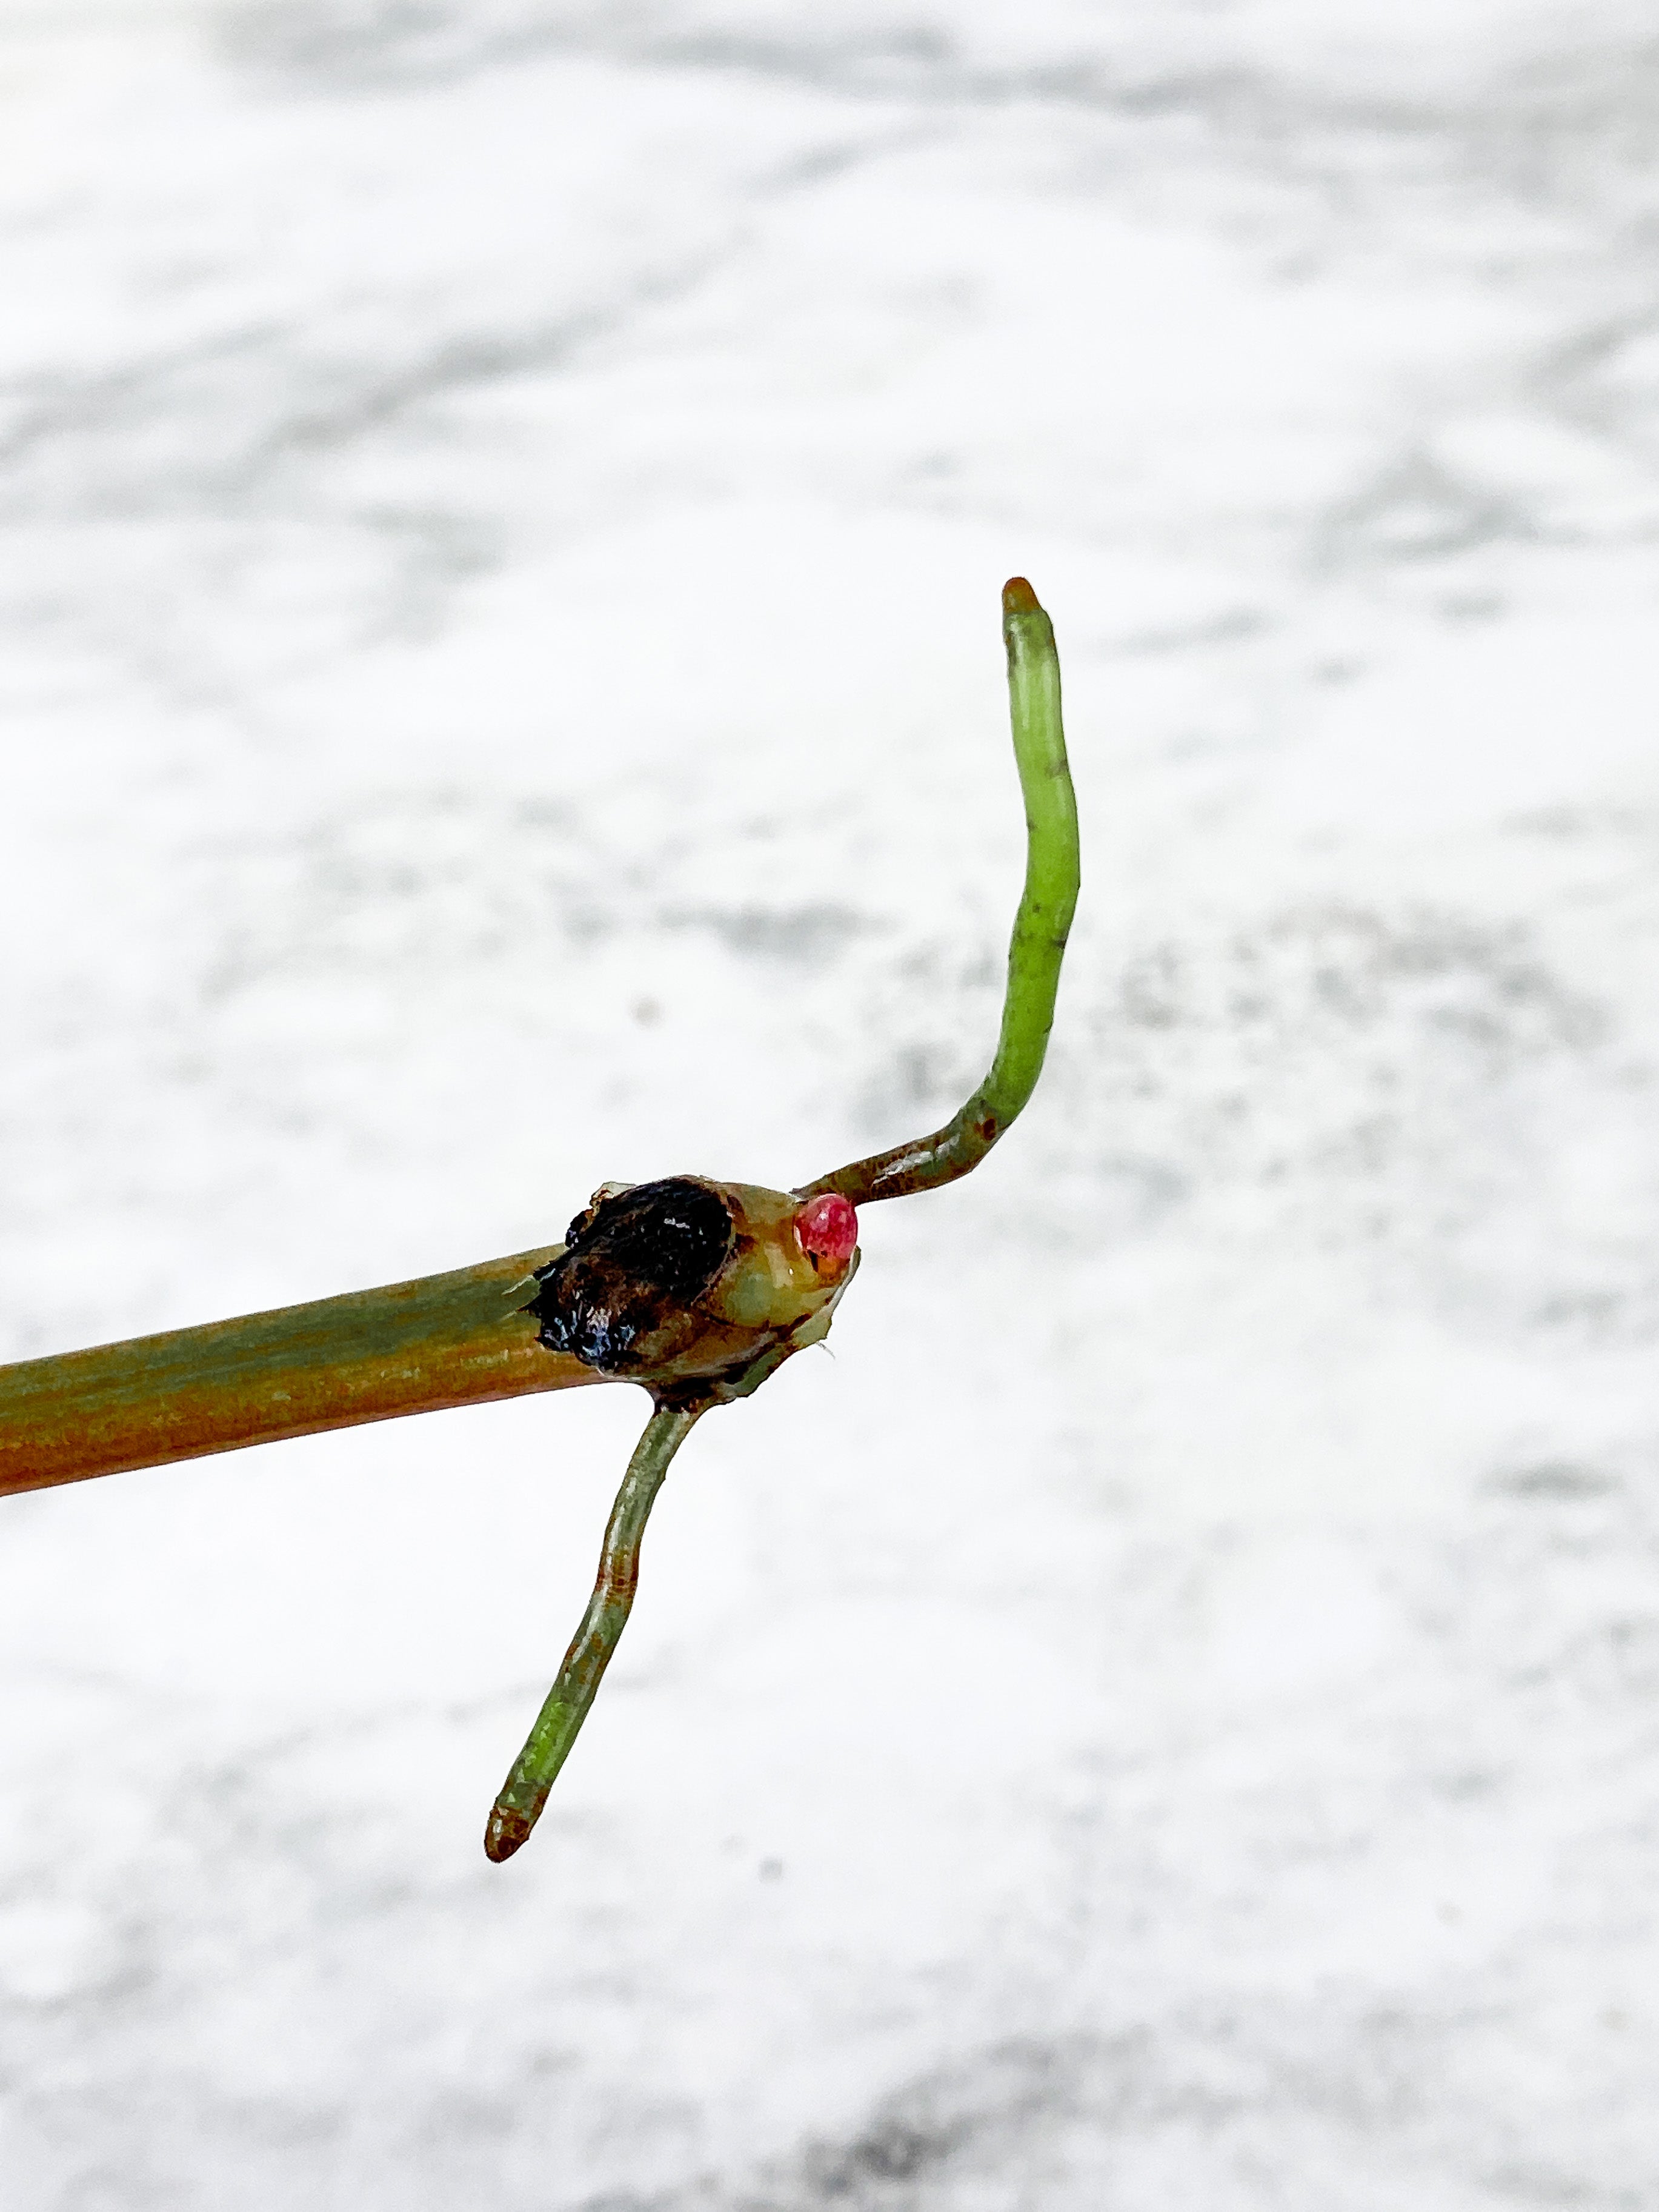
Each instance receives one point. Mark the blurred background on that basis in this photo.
(502, 507)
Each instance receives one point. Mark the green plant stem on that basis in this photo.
(1041, 928)
(455, 1340)
(518, 1807)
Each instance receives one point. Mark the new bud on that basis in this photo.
(826, 1228)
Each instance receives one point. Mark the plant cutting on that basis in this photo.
(696, 1289)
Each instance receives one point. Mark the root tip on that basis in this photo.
(506, 1831)
(1018, 597)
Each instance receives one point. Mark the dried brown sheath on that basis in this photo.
(455, 1340)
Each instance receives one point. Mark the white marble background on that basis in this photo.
(501, 512)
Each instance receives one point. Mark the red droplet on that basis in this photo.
(828, 1227)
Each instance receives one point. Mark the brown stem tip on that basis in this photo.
(506, 1832)
(1018, 597)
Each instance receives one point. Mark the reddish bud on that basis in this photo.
(828, 1227)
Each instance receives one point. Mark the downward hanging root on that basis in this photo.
(519, 1805)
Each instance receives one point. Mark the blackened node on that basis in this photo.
(634, 1261)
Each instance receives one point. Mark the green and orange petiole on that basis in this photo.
(696, 1289)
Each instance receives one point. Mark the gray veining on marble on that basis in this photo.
(502, 510)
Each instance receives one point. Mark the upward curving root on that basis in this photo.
(1053, 870)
